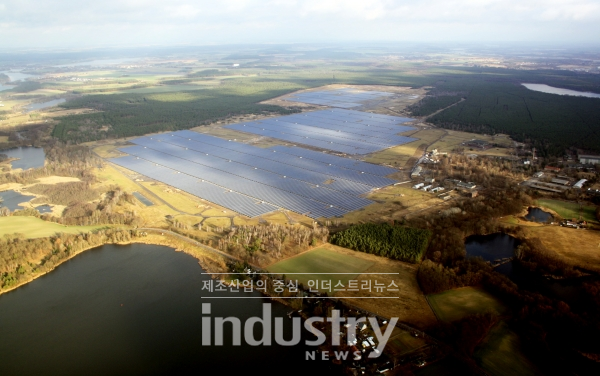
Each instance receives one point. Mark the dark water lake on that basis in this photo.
(496, 246)
(133, 310)
(492, 247)
(39, 106)
(29, 157)
(12, 199)
(538, 215)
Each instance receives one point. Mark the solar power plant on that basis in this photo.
(343, 98)
(345, 131)
(253, 181)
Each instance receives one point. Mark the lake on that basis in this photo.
(12, 199)
(133, 310)
(39, 106)
(29, 157)
(17, 76)
(493, 247)
(538, 215)
(100, 62)
(6, 87)
(556, 90)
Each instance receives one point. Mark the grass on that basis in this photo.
(569, 210)
(218, 222)
(36, 228)
(319, 261)
(579, 247)
(455, 304)
(409, 306)
(500, 353)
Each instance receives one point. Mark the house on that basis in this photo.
(552, 169)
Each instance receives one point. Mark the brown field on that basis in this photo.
(398, 156)
(580, 247)
(394, 203)
(454, 139)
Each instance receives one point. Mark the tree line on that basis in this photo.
(382, 239)
(22, 259)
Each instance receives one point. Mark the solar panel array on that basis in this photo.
(343, 98)
(252, 181)
(345, 131)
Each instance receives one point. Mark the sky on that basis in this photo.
(110, 23)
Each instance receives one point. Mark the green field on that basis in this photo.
(500, 353)
(569, 210)
(455, 304)
(33, 227)
(321, 261)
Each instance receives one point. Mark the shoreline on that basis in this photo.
(206, 262)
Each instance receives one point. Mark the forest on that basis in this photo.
(382, 239)
(495, 102)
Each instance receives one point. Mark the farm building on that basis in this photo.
(589, 159)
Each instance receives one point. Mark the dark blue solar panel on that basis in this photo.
(345, 131)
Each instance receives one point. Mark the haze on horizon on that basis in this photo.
(53, 24)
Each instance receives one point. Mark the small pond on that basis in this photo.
(538, 215)
(492, 248)
(499, 246)
(28, 157)
(39, 106)
(143, 199)
(44, 209)
(12, 199)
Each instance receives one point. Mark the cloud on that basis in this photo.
(106, 22)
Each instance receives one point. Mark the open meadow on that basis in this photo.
(500, 353)
(578, 247)
(408, 303)
(455, 304)
(569, 210)
(32, 227)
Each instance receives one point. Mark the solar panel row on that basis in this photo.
(254, 190)
(245, 205)
(199, 164)
(323, 158)
(309, 199)
(350, 132)
(345, 180)
(345, 98)
(328, 159)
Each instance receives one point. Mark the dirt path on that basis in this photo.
(438, 111)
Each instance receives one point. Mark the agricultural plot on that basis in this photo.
(253, 181)
(36, 228)
(455, 304)
(343, 98)
(345, 131)
(501, 354)
(317, 264)
(407, 302)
